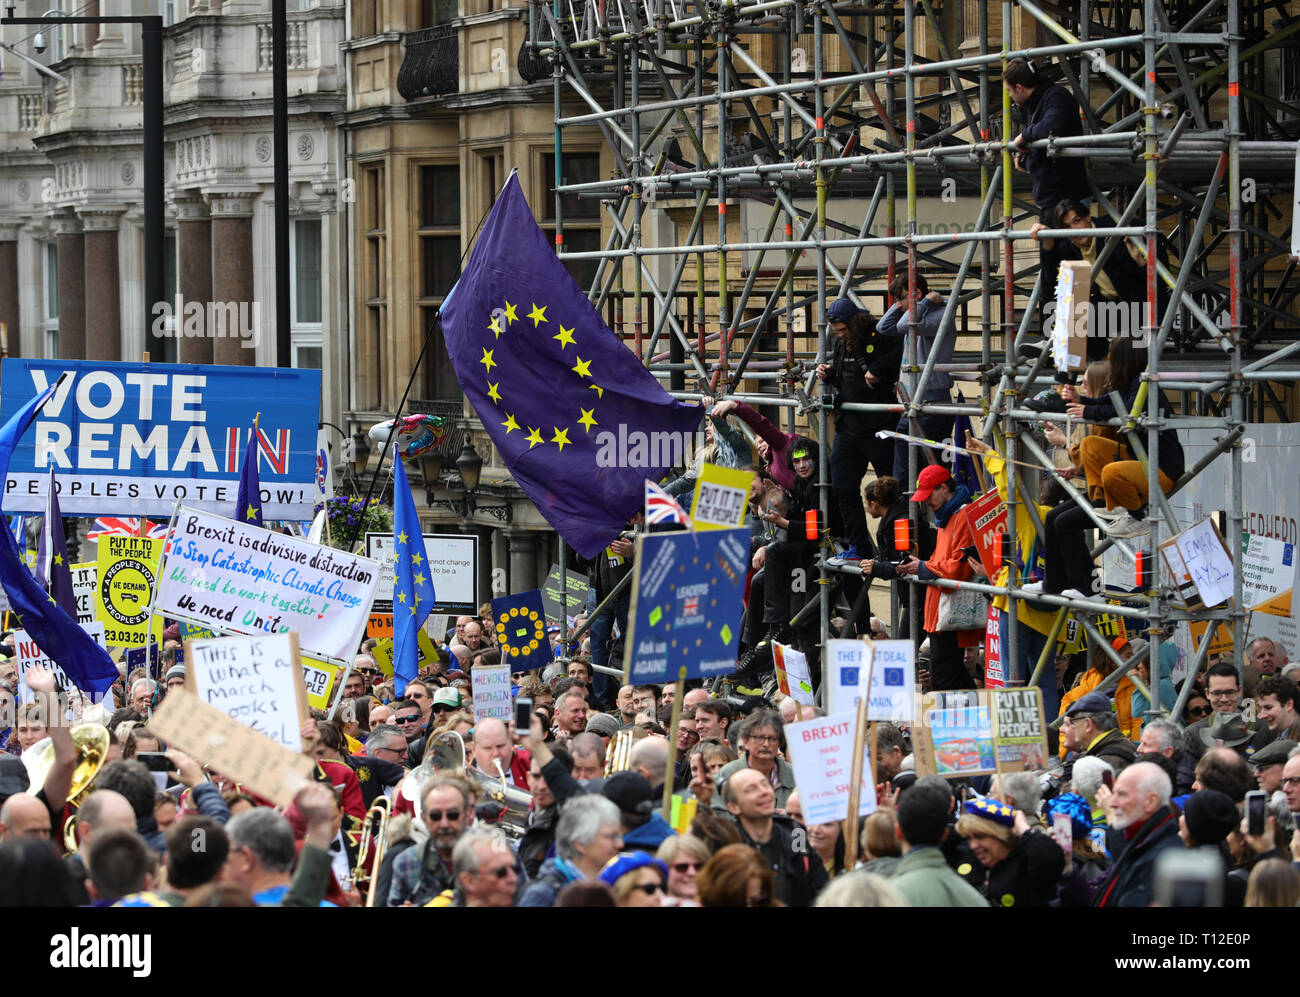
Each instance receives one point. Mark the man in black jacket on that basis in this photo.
(1142, 825)
(783, 843)
(1091, 728)
(863, 368)
(1049, 111)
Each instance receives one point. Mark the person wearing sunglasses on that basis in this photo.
(637, 879)
(684, 855)
(408, 717)
(485, 872)
(422, 872)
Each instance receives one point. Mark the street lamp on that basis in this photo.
(470, 466)
(431, 469)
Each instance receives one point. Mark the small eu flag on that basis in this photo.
(413, 596)
(248, 505)
(578, 420)
(56, 633)
(52, 568)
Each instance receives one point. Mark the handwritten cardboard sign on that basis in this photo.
(255, 680)
(1019, 730)
(1200, 564)
(223, 743)
(246, 580)
(492, 693)
(821, 752)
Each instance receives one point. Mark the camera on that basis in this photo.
(38, 42)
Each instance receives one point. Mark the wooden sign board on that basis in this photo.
(232, 748)
(257, 681)
(954, 737)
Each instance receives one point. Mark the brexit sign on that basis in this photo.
(133, 438)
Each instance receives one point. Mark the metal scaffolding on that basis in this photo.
(800, 113)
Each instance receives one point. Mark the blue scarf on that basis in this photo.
(959, 498)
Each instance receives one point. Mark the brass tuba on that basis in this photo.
(374, 834)
(92, 741)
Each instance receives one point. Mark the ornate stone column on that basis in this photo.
(193, 273)
(9, 311)
(72, 287)
(102, 283)
(232, 278)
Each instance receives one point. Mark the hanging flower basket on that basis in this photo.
(346, 511)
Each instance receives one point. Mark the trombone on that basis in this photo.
(374, 834)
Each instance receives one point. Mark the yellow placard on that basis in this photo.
(1220, 643)
(383, 653)
(721, 496)
(1278, 605)
(128, 572)
(319, 678)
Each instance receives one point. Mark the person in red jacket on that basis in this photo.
(935, 486)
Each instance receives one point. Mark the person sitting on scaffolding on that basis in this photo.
(1116, 480)
(1118, 292)
(863, 368)
(928, 309)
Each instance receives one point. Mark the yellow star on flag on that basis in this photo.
(582, 368)
(58, 558)
(412, 610)
(252, 513)
(495, 327)
(402, 538)
(417, 559)
(538, 314)
(493, 393)
(534, 437)
(419, 580)
(486, 359)
(565, 337)
(510, 424)
(401, 597)
(512, 314)
(600, 392)
(588, 419)
(562, 438)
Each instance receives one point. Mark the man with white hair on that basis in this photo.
(1142, 826)
(1164, 737)
(142, 695)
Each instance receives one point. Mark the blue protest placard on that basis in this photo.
(132, 438)
(521, 631)
(686, 605)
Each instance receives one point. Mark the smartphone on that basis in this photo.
(1108, 778)
(523, 715)
(1256, 812)
(155, 761)
(1189, 877)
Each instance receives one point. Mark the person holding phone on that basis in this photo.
(884, 499)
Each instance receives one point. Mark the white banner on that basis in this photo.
(246, 580)
(492, 693)
(256, 680)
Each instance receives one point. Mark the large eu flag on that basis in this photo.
(55, 632)
(413, 595)
(579, 422)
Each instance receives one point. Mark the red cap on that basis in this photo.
(935, 474)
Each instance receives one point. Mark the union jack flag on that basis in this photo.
(111, 527)
(660, 507)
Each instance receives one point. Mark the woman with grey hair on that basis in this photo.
(588, 835)
(1086, 779)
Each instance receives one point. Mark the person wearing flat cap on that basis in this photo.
(1023, 863)
(1091, 728)
(1268, 763)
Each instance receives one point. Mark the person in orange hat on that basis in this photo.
(935, 487)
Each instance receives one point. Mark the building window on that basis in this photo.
(374, 288)
(581, 215)
(439, 236)
(50, 317)
(305, 298)
(434, 12)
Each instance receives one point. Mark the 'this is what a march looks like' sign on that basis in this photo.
(256, 680)
(134, 438)
(241, 578)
